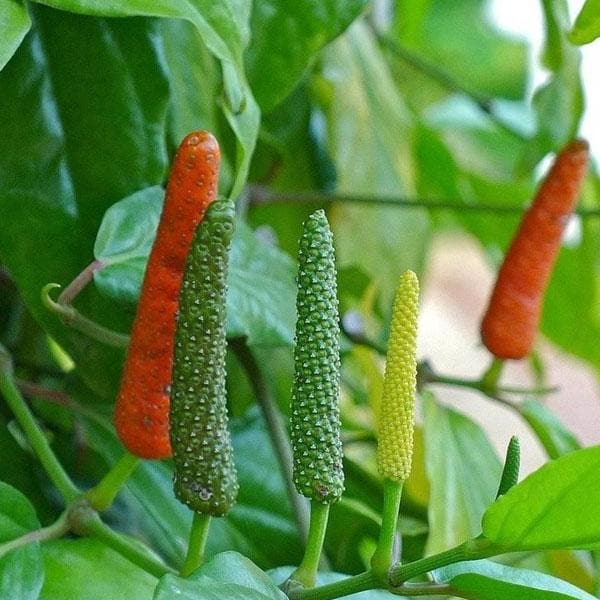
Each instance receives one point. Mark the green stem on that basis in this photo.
(197, 543)
(133, 551)
(489, 380)
(72, 318)
(259, 195)
(35, 436)
(424, 589)
(345, 587)
(80, 282)
(277, 432)
(306, 573)
(59, 528)
(471, 550)
(382, 559)
(104, 493)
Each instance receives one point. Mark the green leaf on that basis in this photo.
(21, 570)
(14, 24)
(463, 472)
(286, 38)
(556, 439)
(223, 26)
(370, 160)
(486, 580)
(63, 166)
(554, 507)
(124, 240)
(558, 104)
(458, 39)
(262, 288)
(227, 575)
(587, 24)
(87, 568)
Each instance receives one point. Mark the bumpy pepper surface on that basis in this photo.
(511, 321)
(315, 419)
(142, 409)
(396, 417)
(205, 475)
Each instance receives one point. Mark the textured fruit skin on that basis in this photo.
(142, 409)
(205, 475)
(396, 416)
(511, 321)
(315, 417)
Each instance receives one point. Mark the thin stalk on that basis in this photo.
(471, 550)
(345, 587)
(73, 318)
(382, 559)
(59, 528)
(197, 544)
(80, 282)
(35, 436)
(133, 551)
(104, 493)
(277, 432)
(306, 573)
(489, 380)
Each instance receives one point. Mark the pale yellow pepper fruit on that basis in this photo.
(396, 415)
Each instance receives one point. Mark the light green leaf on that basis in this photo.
(486, 580)
(370, 131)
(262, 290)
(587, 24)
(21, 570)
(287, 37)
(14, 25)
(463, 472)
(171, 586)
(554, 507)
(553, 435)
(86, 568)
(463, 42)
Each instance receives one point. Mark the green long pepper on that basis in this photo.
(315, 419)
(205, 474)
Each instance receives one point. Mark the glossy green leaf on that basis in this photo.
(287, 38)
(587, 24)
(372, 155)
(486, 580)
(556, 439)
(21, 570)
(223, 26)
(14, 24)
(460, 41)
(93, 143)
(463, 471)
(78, 568)
(262, 289)
(172, 586)
(554, 507)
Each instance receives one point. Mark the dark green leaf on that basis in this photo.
(486, 580)
(587, 23)
(286, 38)
(21, 570)
(553, 435)
(15, 23)
(87, 568)
(463, 472)
(555, 507)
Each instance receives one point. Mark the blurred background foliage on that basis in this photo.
(404, 119)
